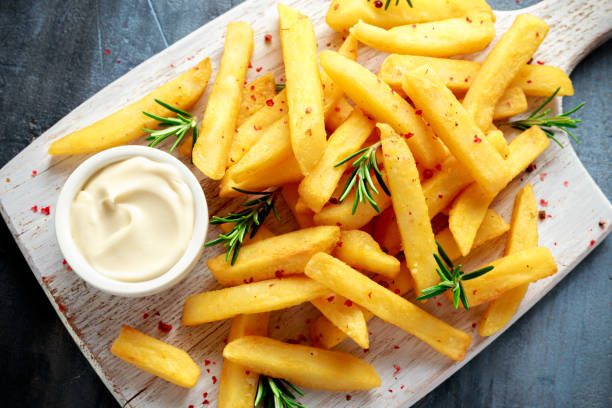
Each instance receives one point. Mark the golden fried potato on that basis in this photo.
(358, 249)
(345, 315)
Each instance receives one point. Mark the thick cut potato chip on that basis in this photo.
(385, 105)
(304, 90)
(211, 150)
(126, 124)
(523, 235)
(302, 365)
(410, 208)
(256, 297)
(156, 357)
(390, 307)
(510, 54)
(511, 271)
(282, 255)
(317, 187)
(344, 14)
(237, 385)
(358, 249)
(346, 316)
(444, 38)
(456, 127)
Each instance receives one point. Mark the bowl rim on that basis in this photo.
(75, 258)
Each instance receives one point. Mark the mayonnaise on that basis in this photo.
(133, 220)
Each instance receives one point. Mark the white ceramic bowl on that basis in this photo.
(80, 265)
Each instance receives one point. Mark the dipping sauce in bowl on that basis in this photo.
(133, 220)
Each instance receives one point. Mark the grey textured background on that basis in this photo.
(52, 59)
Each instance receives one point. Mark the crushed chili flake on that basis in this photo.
(408, 135)
(279, 274)
(348, 397)
(370, 295)
(34, 208)
(592, 243)
(107, 52)
(339, 244)
(145, 315)
(531, 168)
(419, 112)
(473, 325)
(258, 69)
(251, 66)
(396, 291)
(164, 327)
(542, 215)
(543, 176)
(43, 277)
(268, 38)
(396, 347)
(378, 4)
(337, 109)
(427, 174)
(397, 368)
(118, 61)
(214, 379)
(68, 268)
(206, 362)
(34, 173)
(62, 307)
(543, 202)
(390, 390)
(366, 350)
(205, 402)
(529, 81)
(477, 139)
(308, 110)
(336, 6)
(253, 98)
(474, 292)
(439, 304)
(566, 183)
(466, 79)
(402, 387)
(331, 298)
(339, 224)
(468, 20)
(156, 313)
(45, 210)
(602, 224)
(64, 262)
(348, 303)
(270, 102)
(334, 200)
(540, 62)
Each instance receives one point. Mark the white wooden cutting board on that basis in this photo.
(576, 205)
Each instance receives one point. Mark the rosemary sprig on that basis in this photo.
(362, 178)
(280, 87)
(277, 393)
(245, 222)
(451, 277)
(396, 3)
(178, 126)
(562, 122)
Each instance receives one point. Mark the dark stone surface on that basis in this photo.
(52, 58)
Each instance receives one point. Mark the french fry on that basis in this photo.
(512, 102)
(387, 234)
(341, 214)
(317, 187)
(325, 335)
(497, 139)
(156, 357)
(283, 255)
(290, 194)
(255, 95)
(456, 127)
(247, 134)
(211, 150)
(347, 317)
(338, 114)
(262, 233)
(442, 188)
(257, 297)
(127, 123)
(237, 385)
(410, 208)
(511, 271)
(458, 75)
(304, 90)
(470, 207)
(510, 54)
(344, 14)
(362, 252)
(285, 172)
(523, 235)
(444, 38)
(302, 365)
(493, 226)
(375, 97)
(390, 307)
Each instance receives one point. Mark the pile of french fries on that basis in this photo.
(442, 157)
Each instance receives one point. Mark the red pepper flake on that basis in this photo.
(45, 210)
(384, 284)
(252, 87)
(378, 4)
(543, 176)
(439, 304)
(531, 168)
(336, 6)
(68, 268)
(337, 109)
(397, 368)
(396, 347)
(34, 172)
(440, 196)
(270, 102)
(62, 307)
(164, 327)
(529, 81)
(251, 66)
(43, 277)
(427, 174)
(419, 112)
(366, 350)
(339, 244)
(253, 97)
(468, 20)
(118, 61)
(331, 298)
(156, 313)
(402, 387)
(542, 215)
(34, 208)
(268, 38)
(396, 291)
(566, 183)
(258, 69)
(348, 303)
(145, 315)
(602, 224)
(205, 402)
(592, 243)
(477, 139)
(370, 295)
(270, 285)
(451, 78)
(390, 390)
(206, 363)
(279, 274)
(474, 292)
(190, 406)
(473, 325)
(171, 65)
(543, 202)
(214, 379)
(537, 34)
(107, 52)
(408, 135)
(334, 200)
(64, 262)
(467, 79)
(339, 224)
(348, 397)
(308, 110)
(540, 62)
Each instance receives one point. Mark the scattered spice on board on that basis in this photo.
(34, 173)
(164, 327)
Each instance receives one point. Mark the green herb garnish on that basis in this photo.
(245, 222)
(451, 277)
(389, 2)
(178, 126)
(562, 122)
(277, 393)
(280, 87)
(362, 178)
